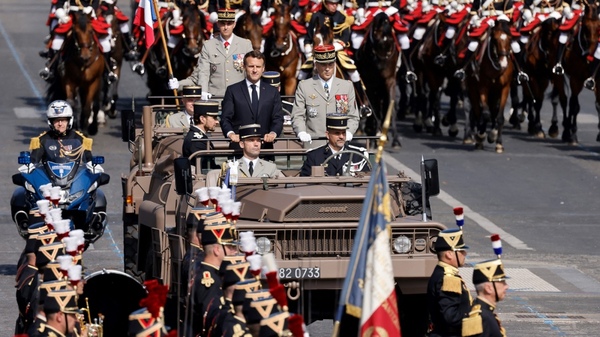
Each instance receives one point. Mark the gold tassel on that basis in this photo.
(452, 284)
(345, 60)
(473, 325)
(345, 25)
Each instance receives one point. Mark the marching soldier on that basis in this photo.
(448, 299)
(205, 120)
(61, 309)
(183, 119)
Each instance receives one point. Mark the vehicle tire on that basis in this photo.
(130, 246)
(414, 317)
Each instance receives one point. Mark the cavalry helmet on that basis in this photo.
(59, 109)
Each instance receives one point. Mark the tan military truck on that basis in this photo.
(308, 223)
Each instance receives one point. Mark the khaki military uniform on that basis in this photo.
(178, 120)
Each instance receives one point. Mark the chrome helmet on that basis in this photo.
(59, 109)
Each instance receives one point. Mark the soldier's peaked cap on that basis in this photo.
(337, 122)
(64, 300)
(206, 108)
(47, 253)
(272, 77)
(226, 15)
(275, 325)
(489, 271)
(324, 54)
(255, 311)
(251, 130)
(450, 239)
(192, 91)
(224, 234)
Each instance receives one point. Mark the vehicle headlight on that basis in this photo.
(263, 245)
(72, 197)
(29, 187)
(402, 244)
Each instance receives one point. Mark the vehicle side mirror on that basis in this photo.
(18, 179)
(103, 179)
(432, 178)
(127, 125)
(183, 176)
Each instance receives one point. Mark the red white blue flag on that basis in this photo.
(369, 292)
(145, 16)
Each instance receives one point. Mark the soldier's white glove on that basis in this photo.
(89, 10)
(264, 18)
(527, 15)
(255, 9)
(308, 50)
(348, 136)
(338, 45)
(475, 21)
(391, 11)
(213, 17)
(110, 2)
(173, 83)
(536, 2)
(94, 169)
(297, 16)
(206, 96)
(305, 137)
(62, 16)
(176, 21)
(360, 16)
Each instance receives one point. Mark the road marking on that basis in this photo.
(27, 113)
(521, 280)
(479, 219)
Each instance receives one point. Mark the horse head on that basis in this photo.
(193, 28)
(381, 37)
(282, 25)
(590, 25)
(249, 27)
(499, 45)
(323, 34)
(84, 39)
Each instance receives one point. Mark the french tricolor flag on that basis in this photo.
(145, 16)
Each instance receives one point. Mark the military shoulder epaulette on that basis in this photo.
(34, 143)
(452, 284)
(473, 324)
(87, 142)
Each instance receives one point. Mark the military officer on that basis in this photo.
(221, 61)
(448, 299)
(250, 165)
(490, 282)
(323, 95)
(205, 120)
(183, 119)
(61, 309)
(336, 142)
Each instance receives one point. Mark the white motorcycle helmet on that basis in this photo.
(59, 109)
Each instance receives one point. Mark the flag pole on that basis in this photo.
(164, 43)
(384, 131)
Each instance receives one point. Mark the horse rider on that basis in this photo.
(484, 15)
(61, 27)
(454, 14)
(221, 61)
(590, 82)
(239, 6)
(365, 13)
(341, 24)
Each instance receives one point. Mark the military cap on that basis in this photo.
(489, 271)
(251, 130)
(192, 91)
(324, 54)
(337, 122)
(226, 15)
(256, 311)
(47, 253)
(37, 228)
(32, 244)
(224, 234)
(52, 272)
(54, 285)
(272, 77)
(242, 288)
(237, 258)
(234, 273)
(275, 325)
(63, 300)
(47, 238)
(206, 108)
(143, 324)
(450, 239)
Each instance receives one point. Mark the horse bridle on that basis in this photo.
(389, 53)
(489, 52)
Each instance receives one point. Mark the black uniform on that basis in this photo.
(48, 331)
(499, 6)
(67, 147)
(335, 167)
(488, 325)
(334, 19)
(215, 5)
(207, 288)
(448, 301)
(234, 326)
(197, 140)
(27, 290)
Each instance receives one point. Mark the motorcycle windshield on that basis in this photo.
(60, 170)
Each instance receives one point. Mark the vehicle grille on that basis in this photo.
(315, 243)
(325, 210)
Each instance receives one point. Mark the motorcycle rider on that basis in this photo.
(61, 143)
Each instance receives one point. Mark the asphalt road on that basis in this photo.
(541, 195)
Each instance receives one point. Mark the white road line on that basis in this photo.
(27, 113)
(479, 219)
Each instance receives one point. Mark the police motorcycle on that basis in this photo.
(70, 185)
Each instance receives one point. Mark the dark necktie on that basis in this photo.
(326, 90)
(254, 98)
(251, 168)
(191, 121)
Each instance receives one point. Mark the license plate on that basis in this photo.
(299, 273)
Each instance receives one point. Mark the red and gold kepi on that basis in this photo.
(324, 54)
(226, 15)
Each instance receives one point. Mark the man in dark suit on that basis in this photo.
(336, 142)
(252, 101)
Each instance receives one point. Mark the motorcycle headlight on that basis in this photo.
(402, 244)
(93, 187)
(29, 187)
(263, 245)
(72, 197)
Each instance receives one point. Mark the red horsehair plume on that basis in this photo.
(296, 325)
(271, 271)
(279, 295)
(157, 297)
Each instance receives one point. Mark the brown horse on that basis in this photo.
(80, 73)
(248, 27)
(110, 90)
(281, 51)
(576, 66)
(488, 88)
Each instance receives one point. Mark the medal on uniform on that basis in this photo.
(238, 62)
(207, 279)
(341, 104)
(313, 112)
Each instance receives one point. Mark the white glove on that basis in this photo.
(338, 45)
(527, 15)
(305, 137)
(391, 11)
(308, 50)
(176, 21)
(475, 20)
(360, 16)
(255, 9)
(173, 83)
(62, 16)
(348, 136)
(536, 2)
(110, 2)
(206, 96)
(297, 16)
(94, 169)
(88, 10)
(264, 18)
(213, 17)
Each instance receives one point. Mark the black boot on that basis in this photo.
(364, 105)
(590, 82)
(111, 65)
(520, 63)
(410, 75)
(441, 58)
(132, 54)
(460, 73)
(558, 68)
(47, 73)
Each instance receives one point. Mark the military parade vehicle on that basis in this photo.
(308, 222)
